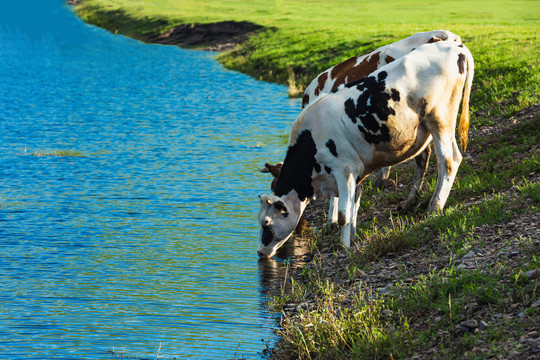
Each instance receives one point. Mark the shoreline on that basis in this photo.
(217, 36)
(212, 36)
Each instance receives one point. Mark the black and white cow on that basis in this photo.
(377, 121)
(358, 67)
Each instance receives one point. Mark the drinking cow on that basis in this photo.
(358, 67)
(377, 121)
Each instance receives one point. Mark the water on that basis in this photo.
(144, 230)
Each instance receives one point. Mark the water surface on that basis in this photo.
(143, 231)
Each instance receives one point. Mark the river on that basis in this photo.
(128, 195)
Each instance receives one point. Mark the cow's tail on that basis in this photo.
(463, 129)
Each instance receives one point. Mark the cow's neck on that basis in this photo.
(298, 166)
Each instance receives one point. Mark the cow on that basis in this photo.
(381, 120)
(358, 67)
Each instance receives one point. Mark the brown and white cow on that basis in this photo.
(377, 121)
(358, 67)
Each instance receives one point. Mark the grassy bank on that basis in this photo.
(304, 38)
(462, 285)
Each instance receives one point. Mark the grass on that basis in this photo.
(307, 37)
(333, 309)
(346, 318)
(347, 321)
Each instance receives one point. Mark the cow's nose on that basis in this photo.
(262, 255)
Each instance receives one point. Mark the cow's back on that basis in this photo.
(358, 67)
(382, 117)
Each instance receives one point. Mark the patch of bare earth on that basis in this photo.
(218, 36)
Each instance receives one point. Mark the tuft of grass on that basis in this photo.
(332, 331)
(294, 89)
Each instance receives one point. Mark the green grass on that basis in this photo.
(307, 37)
(368, 325)
(349, 321)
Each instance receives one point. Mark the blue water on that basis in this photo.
(143, 231)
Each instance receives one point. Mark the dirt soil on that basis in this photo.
(219, 36)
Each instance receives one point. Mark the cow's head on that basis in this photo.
(278, 218)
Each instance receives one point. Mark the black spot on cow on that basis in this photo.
(327, 169)
(394, 94)
(267, 236)
(461, 63)
(372, 107)
(331, 145)
(282, 208)
(461, 46)
(317, 167)
(298, 167)
(350, 109)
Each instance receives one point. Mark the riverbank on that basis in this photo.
(463, 285)
(294, 43)
(459, 285)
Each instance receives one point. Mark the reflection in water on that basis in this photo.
(275, 272)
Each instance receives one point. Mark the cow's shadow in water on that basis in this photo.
(275, 273)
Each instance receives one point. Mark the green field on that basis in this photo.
(338, 310)
(307, 37)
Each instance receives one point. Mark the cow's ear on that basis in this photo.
(282, 208)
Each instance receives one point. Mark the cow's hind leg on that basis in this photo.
(382, 177)
(421, 162)
(358, 193)
(448, 160)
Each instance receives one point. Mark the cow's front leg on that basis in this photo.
(333, 210)
(346, 206)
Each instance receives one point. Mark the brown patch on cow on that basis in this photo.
(449, 166)
(321, 80)
(434, 39)
(389, 59)
(305, 100)
(348, 71)
(275, 170)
